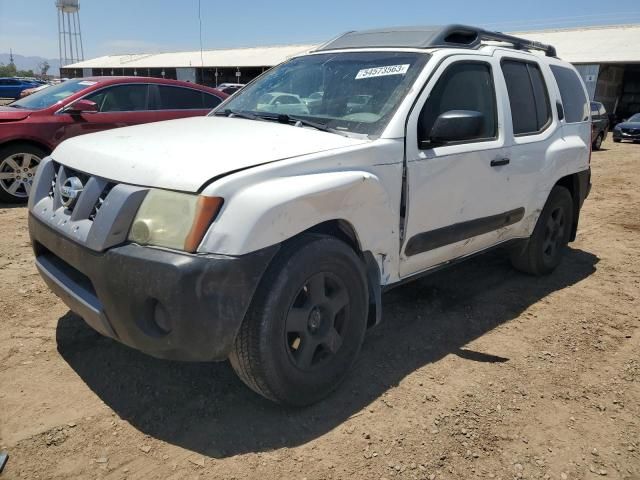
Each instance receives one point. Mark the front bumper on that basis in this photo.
(620, 135)
(167, 304)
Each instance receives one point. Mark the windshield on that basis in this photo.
(51, 95)
(354, 92)
(634, 118)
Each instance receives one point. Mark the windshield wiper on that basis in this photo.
(232, 113)
(285, 118)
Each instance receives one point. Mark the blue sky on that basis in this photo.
(133, 26)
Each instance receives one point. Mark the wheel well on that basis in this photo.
(39, 145)
(340, 229)
(343, 230)
(572, 183)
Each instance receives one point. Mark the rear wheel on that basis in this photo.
(18, 165)
(597, 143)
(550, 237)
(306, 323)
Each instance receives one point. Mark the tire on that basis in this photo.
(550, 237)
(18, 165)
(597, 143)
(617, 140)
(306, 323)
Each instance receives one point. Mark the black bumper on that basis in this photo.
(584, 186)
(167, 304)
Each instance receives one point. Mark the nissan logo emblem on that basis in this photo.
(70, 191)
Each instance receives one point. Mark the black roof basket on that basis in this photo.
(456, 36)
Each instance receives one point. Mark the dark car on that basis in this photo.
(599, 124)
(628, 130)
(11, 87)
(33, 126)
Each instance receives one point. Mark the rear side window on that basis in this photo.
(574, 101)
(210, 101)
(177, 98)
(528, 97)
(463, 86)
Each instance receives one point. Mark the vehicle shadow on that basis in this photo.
(12, 205)
(206, 409)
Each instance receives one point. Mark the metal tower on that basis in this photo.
(69, 34)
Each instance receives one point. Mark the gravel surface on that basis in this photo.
(476, 372)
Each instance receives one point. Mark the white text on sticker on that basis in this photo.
(383, 71)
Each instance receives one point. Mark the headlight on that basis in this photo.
(173, 219)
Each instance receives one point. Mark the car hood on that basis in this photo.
(628, 125)
(10, 114)
(185, 154)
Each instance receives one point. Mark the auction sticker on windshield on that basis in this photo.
(383, 71)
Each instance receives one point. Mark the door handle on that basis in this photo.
(499, 162)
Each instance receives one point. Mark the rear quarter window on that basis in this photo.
(574, 100)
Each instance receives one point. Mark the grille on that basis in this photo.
(631, 131)
(52, 187)
(90, 200)
(100, 200)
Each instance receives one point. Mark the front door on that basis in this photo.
(459, 199)
(118, 106)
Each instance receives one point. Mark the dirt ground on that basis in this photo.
(476, 372)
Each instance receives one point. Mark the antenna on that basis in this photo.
(70, 47)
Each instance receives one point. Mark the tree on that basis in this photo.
(7, 70)
(44, 68)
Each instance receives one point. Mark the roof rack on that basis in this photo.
(457, 36)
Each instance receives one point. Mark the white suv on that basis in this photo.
(267, 238)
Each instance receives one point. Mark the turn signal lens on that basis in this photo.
(206, 210)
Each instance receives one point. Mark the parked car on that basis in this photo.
(628, 130)
(31, 127)
(11, 87)
(28, 91)
(230, 88)
(599, 125)
(281, 102)
(273, 243)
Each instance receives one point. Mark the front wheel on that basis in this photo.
(18, 165)
(550, 236)
(306, 323)
(617, 140)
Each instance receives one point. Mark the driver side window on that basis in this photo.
(122, 98)
(463, 86)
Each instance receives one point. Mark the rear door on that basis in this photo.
(118, 106)
(180, 102)
(535, 136)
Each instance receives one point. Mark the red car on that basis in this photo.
(30, 128)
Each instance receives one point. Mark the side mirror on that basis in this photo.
(455, 126)
(82, 106)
